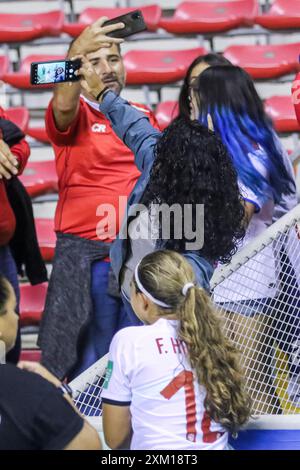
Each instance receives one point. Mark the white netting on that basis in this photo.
(87, 388)
(260, 297)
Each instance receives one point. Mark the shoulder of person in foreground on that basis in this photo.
(42, 414)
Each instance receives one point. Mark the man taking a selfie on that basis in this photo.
(96, 173)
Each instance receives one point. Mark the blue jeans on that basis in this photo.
(8, 269)
(108, 317)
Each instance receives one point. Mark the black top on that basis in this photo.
(34, 415)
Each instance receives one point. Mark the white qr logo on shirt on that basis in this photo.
(101, 128)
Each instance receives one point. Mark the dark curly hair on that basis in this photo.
(192, 166)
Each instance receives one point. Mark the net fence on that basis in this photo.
(87, 388)
(258, 295)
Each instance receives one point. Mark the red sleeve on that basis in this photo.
(2, 113)
(153, 121)
(22, 152)
(150, 115)
(58, 137)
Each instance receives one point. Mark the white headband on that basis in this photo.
(184, 290)
(147, 294)
(186, 287)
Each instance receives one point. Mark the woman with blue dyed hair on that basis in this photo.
(226, 95)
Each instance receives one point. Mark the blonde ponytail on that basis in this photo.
(215, 361)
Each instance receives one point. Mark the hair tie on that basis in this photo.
(186, 287)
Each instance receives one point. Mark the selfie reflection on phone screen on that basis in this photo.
(50, 73)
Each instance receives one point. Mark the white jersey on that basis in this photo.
(148, 370)
(262, 284)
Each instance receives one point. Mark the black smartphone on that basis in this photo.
(54, 71)
(133, 21)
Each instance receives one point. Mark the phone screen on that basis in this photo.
(54, 72)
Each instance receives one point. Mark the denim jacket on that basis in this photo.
(134, 128)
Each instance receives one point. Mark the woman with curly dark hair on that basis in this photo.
(184, 169)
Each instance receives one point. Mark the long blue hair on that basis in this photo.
(228, 94)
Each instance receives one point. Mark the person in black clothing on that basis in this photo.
(34, 413)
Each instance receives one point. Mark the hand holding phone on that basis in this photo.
(133, 23)
(105, 33)
(93, 37)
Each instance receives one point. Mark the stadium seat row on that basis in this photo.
(279, 108)
(189, 18)
(262, 62)
(150, 67)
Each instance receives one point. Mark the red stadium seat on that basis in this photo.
(4, 65)
(283, 14)
(210, 17)
(165, 112)
(46, 237)
(21, 79)
(38, 133)
(20, 116)
(145, 67)
(40, 178)
(32, 355)
(32, 303)
(265, 62)
(151, 13)
(29, 26)
(281, 111)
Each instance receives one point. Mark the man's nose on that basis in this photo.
(105, 67)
